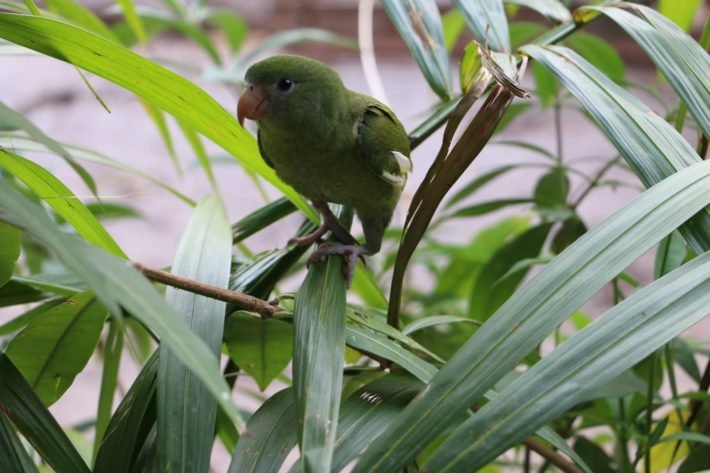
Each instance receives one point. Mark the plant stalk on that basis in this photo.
(250, 303)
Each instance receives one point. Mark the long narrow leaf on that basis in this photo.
(14, 120)
(319, 345)
(486, 18)
(272, 435)
(23, 408)
(167, 90)
(419, 24)
(651, 146)
(621, 338)
(14, 458)
(130, 424)
(13, 142)
(184, 403)
(552, 9)
(536, 309)
(60, 198)
(681, 59)
(118, 285)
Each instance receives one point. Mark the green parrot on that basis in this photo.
(331, 145)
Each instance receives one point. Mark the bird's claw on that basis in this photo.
(350, 253)
(310, 238)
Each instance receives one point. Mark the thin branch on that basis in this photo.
(551, 456)
(245, 301)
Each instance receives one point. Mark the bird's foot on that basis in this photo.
(309, 239)
(349, 252)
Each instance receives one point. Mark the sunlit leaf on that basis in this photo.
(155, 83)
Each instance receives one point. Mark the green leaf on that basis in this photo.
(375, 320)
(272, 435)
(319, 345)
(651, 147)
(233, 27)
(600, 54)
(261, 218)
(262, 348)
(681, 13)
(130, 425)
(367, 288)
(57, 345)
(434, 320)
(670, 254)
(698, 460)
(522, 32)
(552, 189)
(82, 16)
(681, 59)
(452, 23)
(477, 183)
(696, 437)
(622, 337)
(118, 285)
(545, 85)
(133, 20)
(158, 21)
(10, 119)
(371, 342)
(570, 231)
(366, 412)
(24, 319)
(419, 24)
(199, 149)
(163, 88)
(158, 118)
(593, 455)
(536, 309)
(9, 251)
(15, 293)
(15, 458)
(552, 9)
(487, 21)
(184, 402)
(111, 355)
(15, 142)
(24, 409)
(61, 199)
(489, 290)
(483, 208)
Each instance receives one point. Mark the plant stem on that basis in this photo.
(245, 301)
(552, 456)
(622, 442)
(649, 414)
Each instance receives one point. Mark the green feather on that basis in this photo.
(330, 143)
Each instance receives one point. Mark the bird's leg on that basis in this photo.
(349, 252)
(330, 222)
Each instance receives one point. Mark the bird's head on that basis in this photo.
(288, 89)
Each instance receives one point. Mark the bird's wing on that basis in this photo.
(261, 150)
(383, 145)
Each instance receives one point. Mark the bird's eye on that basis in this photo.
(285, 85)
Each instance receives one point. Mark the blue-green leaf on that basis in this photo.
(184, 402)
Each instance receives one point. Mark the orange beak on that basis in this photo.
(252, 104)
